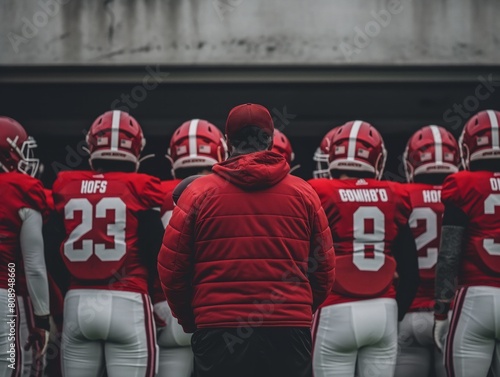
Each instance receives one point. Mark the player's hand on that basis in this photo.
(440, 331)
(39, 336)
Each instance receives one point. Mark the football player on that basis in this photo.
(356, 327)
(431, 154)
(470, 251)
(22, 267)
(321, 156)
(112, 231)
(195, 147)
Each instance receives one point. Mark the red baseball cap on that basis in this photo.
(249, 114)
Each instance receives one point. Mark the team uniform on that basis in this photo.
(194, 147)
(474, 336)
(22, 272)
(417, 354)
(431, 154)
(357, 325)
(470, 254)
(20, 193)
(110, 216)
(355, 330)
(107, 310)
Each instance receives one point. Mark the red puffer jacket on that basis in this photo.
(237, 247)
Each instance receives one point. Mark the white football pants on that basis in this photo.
(176, 355)
(417, 354)
(473, 342)
(105, 329)
(358, 336)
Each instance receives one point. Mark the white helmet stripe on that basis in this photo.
(115, 129)
(495, 137)
(438, 142)
(353, 136)
(193, 146)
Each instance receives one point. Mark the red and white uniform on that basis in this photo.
(425, 222)
(474, 337)
(109, 278)
(195, 146)
(417, 354)
(431, 153)
(19, 192)
(358, 321)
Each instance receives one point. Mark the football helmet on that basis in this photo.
(321, 156)
(115, 135)
(431, 150)
(480, 139)
(17, 148)
(197, 143)
(281, 145)
(357, 146)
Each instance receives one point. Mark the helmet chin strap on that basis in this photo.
(294, 168)
(146, 157)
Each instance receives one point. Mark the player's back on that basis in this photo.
(365, 216)
(100, 213)
(17, 191)
(425, 223)
(477, 194)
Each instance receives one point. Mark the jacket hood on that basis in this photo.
(254, 171)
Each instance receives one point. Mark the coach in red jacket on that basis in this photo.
(247, 258)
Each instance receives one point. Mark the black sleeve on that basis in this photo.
(454, 216)
(405, 253)
(150, 233)
(450, 252)
(54, 234)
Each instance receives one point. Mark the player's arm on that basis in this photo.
(150, 233)
(54, 234)
(405, 253)
(31, 241)
(450, 253)
(322, 257)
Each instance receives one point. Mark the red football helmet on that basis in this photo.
(321, 156)
(431, 150)
(480, 139)
(357, 146)
(282, 145)
(16, 148)
(196, 144)
(115, 135)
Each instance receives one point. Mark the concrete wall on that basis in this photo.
(388, 32)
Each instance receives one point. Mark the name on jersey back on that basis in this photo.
(363, 195)
(495, 184)
(431, 196)
(93, 187)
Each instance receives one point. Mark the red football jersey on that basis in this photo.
(168, 204)
(50, 199)
(17, 191)
(425, 223)
(477, 194)
(364, 216)
(100, 218)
